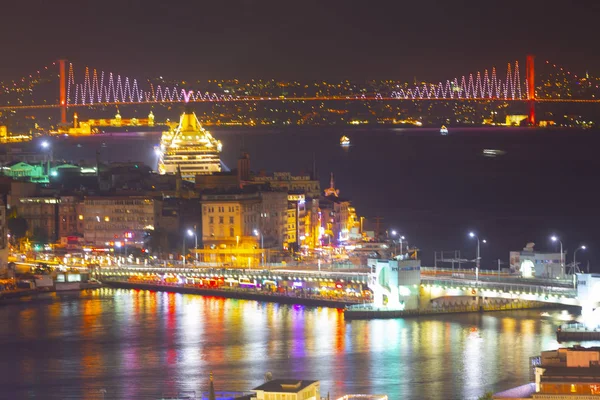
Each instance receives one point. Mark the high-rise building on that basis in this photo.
(190, 149)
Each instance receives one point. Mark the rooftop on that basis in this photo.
(284, 385)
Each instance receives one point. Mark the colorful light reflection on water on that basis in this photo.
(143, 344)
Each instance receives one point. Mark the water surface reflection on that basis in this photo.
(142, 344)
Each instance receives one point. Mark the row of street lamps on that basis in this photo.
(554, 238)
(193, 233)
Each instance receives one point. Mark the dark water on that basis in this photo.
(430, 188)
(142, 344)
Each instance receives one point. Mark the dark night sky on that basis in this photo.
(433, 39)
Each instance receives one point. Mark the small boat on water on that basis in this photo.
(344, 141)
(444, 130)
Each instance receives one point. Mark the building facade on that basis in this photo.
(288, 389)
(50, 218)
(119, 219)
(292, 183)
(565, 373)
(535, 264)
(243, 219)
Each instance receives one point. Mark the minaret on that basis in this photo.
(151, 119)
(211, 393)
(243, 168)
(118, 117)
(331, 190)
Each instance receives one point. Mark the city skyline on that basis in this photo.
(430, 40)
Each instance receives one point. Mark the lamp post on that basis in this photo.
(262, 255)
(478, 260)
(46, 146)
(401, 238)
(183, 253)
(195, 235)
(562, 262)
(575, 256)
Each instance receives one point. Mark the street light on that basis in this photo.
(49, 158)
(562, 262)
(262, 255)
(192, 233)
(582, 247)
(477, 262)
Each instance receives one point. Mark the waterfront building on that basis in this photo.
(238, 218)
(50, 218)
(93, 126)
(289, 389)
(119, 220)
(292, 183)
(190, 149)
(531, 263)
(395, 284)
(239, 224)
(38, 173)
(566, 373)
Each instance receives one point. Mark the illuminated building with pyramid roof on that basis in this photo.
(190, 149)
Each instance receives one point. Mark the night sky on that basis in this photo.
(326, 39)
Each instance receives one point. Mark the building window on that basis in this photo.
(231, 220)
(231, 231)
(221, 220)
(211, 220)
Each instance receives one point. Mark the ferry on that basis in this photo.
(444, 130)
(344, 141)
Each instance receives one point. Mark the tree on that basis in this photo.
(17, 227)
(157, 240)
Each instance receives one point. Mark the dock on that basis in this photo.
(576, 332)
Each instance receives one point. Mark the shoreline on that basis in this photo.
(393, 314)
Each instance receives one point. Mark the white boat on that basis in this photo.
(344, 141)
(444, 130)
(189, 148)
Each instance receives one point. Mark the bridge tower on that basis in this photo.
(531, 88)
(63, 91)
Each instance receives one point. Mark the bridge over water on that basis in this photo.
(433, 286)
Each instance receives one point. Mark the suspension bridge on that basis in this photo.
(93, 87)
